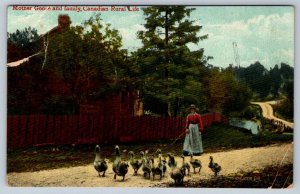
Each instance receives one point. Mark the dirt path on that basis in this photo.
(267, 111)
(85, 176)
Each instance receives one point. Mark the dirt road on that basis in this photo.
(85, 176)
(267, 111)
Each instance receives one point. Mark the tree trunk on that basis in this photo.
(168, 104)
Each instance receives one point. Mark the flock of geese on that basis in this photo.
(154, 165)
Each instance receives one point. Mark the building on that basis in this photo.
(44, 84)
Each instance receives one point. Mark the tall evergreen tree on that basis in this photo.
(169, 68)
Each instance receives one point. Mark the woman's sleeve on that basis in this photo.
(187, 122)
(200, 123)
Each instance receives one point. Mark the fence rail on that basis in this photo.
(35, 130)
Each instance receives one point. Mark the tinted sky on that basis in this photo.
(262, 33)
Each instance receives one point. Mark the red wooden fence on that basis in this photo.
(35, 130)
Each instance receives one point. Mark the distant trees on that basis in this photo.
(256, 76)
(21, 43)
(265, 82)
(21, 38)
(286, 108)
(277, 82)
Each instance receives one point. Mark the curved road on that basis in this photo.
(267, 111)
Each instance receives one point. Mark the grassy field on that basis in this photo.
(216, 138)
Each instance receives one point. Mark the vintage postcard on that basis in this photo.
(150, 96)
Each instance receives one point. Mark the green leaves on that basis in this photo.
(266, 82)
(88, 59)
(168, 68)
(21, 38)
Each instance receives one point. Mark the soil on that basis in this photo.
(232, 162)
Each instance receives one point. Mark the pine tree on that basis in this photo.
(168, 67)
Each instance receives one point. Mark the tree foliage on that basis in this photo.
(21, 38)
(225, 93)
(90, 62)
(168, 68)
(22, 43)
(85, 61)
(272, 82)
(89, 59)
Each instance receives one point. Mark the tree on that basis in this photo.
(239, 93)
(257, 77)
(89, 59)
(169, 69)
(22, 80)
(276, 78)
(263, 81)
(83, 63)
(21, 38)
(22, 43)
(287, 71)
(225, 93)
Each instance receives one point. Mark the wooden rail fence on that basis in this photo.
(36, 130)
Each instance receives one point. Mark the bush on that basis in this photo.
(284, 109)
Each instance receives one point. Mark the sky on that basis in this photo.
(262, 33)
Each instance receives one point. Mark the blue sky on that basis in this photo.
(262, 33)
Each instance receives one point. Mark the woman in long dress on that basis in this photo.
(194, 129)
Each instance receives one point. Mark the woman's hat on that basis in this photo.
(192, 106)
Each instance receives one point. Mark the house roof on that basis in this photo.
(19, 62)
(63, 23)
